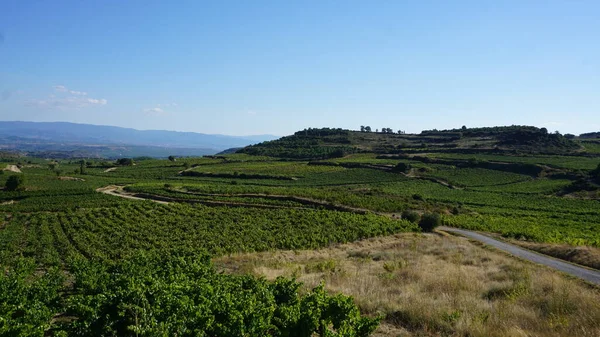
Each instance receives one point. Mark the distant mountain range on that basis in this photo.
(64, 139)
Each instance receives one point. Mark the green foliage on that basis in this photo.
(322, 266)
(14, 182)
(157, 292)
(168, 293)
(306, 144)
(411, 216)
(595, 174)
(402, 167)
(430, 221)
(124, 161)
(110, 233)
(477, 177)
(28, 300)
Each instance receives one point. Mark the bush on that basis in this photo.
(418, 197)
(402, 167)
(125, 161)
(163, 294)
(596, 174)
(411, 216)
(430, 221)
(14, 182)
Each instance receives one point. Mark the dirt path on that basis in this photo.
(187, 169)
(118, 191)
(110, 169)
(71, 178)
(281, 197)
(12, 168)
(590, 275)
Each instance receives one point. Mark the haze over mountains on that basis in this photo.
(72, 140)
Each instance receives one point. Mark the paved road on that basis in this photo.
(589, 275)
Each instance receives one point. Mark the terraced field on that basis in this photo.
(60, 224)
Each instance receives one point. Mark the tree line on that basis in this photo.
(367, 128)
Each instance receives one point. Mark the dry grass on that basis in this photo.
(12, 168)
(583, 255)
(433, 285)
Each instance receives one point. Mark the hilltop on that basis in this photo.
(330, 143)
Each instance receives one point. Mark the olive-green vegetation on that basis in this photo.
(335, 143)
(80, 262)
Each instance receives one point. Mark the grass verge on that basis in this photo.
(431, 285)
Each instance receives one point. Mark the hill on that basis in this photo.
(330, 143)
(61, 139)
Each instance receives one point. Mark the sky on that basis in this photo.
(275, 67)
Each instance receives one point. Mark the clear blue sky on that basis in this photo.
(256, 67)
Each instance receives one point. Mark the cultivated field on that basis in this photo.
(97, 248)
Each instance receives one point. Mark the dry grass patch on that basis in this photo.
(12, 168)
(583, 255)
(433, 285)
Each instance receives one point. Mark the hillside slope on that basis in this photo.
(330, 143)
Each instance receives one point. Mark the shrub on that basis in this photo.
(125, 161)
(14, 182)
(164, 294)
(596, 174)
(411, 216)
(402, 167)
(430, 221)
(418, 197)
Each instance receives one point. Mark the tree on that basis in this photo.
(172, 158)
(125, 161)
(402, 167)
(367, 128)
(14, 183)
(362, 128)
(596, 174)
(430, 221)
(82, 166)
(411, 216)
(464, 127)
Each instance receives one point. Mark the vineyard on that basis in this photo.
(79, 263)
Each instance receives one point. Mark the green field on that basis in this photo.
(59, 223)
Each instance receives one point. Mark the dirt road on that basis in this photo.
(587, 274)
(117, 191)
